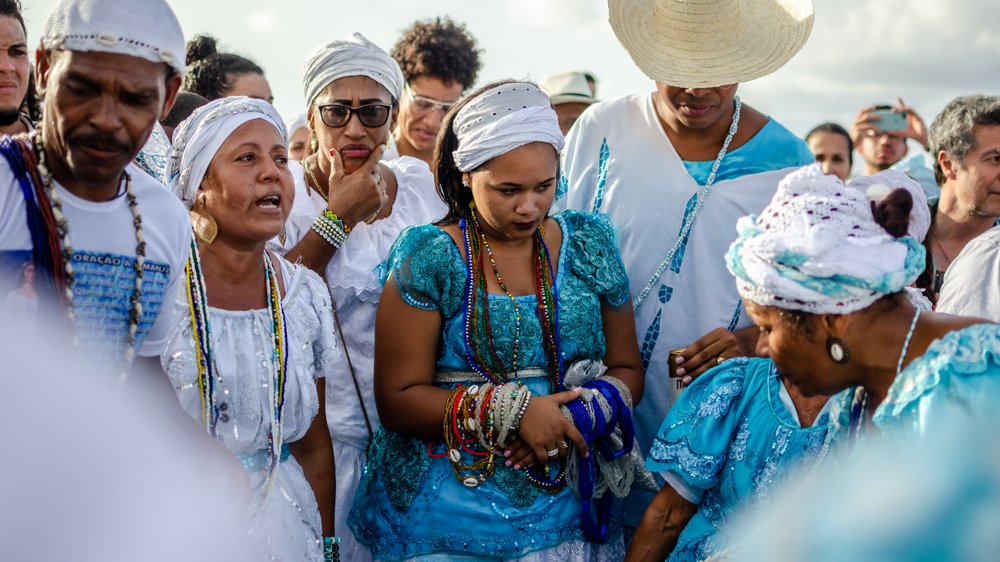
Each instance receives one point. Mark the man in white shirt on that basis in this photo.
(972, 283)
(965, 142)
(97, 240)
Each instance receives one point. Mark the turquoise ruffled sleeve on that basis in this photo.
(427, 269)
(957, 378)
(695, 438)
(594, 256)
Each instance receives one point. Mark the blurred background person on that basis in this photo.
(350, 208)
(298, 138)
(213, 75)
(185, 105)
(15, 75)
(881, 140)
(440, 60)
(570, 94)
(254, 335)
(833, 149)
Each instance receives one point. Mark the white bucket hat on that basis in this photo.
(709, 43)
(568, 87)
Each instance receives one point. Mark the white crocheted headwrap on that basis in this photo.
(353, 56)
(877, 186)
(198, 138)
(816, 248)
(147, 29)
(502, 119)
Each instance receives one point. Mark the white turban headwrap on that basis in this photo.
(147, 29)
(300, 122)
(878, 186)
(198, 138)
(816, 248)
(353, 56)
(502, 119)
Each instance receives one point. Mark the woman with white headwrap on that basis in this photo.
(505, 390)
(736, 432)
(824, 281)
(349, 210)
(255, 334)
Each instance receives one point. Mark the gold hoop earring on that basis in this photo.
(313, 141)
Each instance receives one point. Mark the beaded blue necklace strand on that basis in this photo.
(699, 203)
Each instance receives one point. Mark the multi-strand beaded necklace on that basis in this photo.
(208, 374)
(477, 316)
(57, 228)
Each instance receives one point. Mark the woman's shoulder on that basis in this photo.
(726, 383)
(592, 254)
(962, 361)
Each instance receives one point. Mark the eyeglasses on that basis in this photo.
(424, 104)
(336, 115)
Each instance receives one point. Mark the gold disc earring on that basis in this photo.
(205, 227)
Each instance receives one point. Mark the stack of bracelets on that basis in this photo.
(331, 549)
(481, 420)
(331, 228)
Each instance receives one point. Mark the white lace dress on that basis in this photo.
(285, 523)
(356, 291)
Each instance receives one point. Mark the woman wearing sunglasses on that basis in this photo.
(349, 209)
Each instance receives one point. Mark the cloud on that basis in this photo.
(263, 21)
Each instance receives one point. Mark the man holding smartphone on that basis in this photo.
(880, 132)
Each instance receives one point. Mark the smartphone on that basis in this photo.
(889, 120)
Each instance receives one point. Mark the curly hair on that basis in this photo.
(952, 130)
(211, 74)
(439, 48)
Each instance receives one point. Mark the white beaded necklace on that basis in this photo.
(62, 226)
(700, 201)
(906, 342)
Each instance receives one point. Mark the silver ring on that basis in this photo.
(564, 445)
(553, 452)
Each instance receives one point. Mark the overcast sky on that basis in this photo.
(860, 52)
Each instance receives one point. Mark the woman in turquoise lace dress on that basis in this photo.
(506, 361)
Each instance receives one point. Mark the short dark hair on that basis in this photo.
(439, 48)
(12, 9)
(210, 73)
(831, 127)
(952, 130)
(184, 106)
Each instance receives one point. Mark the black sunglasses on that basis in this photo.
(336, 115)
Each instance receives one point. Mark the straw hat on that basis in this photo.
(709, 43)
(568, 87)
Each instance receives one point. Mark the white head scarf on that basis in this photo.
(502, 119)
(877, 186)
(198, 138)
(300, 122)
(353, 56)
(816, 248)
(147, 29)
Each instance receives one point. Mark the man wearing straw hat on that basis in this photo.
(675, 168)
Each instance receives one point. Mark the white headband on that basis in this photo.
(353, 56)
(147, 29)
(816, 248)
(198, 138)
(502, 119)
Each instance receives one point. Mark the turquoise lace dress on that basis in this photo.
(410, 504)
(723, 445)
